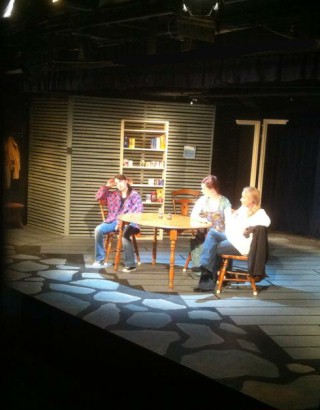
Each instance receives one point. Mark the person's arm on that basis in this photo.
(226, 204)
(197, 209)
(102, 192)
(133, 204)
(260, 218)
(137, 205)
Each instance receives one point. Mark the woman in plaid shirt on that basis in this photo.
(123, 200)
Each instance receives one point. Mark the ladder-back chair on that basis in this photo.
(254, 271)
(110, 237)
(183, 201)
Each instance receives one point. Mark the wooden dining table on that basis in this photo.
(173, 224)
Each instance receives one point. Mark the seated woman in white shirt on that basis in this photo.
(210, 206)
(232, 241)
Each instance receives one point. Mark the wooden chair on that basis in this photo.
(254, 271)
(236, 275)
(183, 201)
(110, 237)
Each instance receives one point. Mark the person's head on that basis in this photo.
(122, 183)
(251, 198)
(210, 185)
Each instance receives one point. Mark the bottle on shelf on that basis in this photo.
(153, 196)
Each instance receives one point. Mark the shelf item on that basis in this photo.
(143, 158)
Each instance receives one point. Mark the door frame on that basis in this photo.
(260, 135)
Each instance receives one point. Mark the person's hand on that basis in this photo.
(248, 231)
(111, 183)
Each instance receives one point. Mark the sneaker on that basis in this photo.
(98, 265)
(129, 269)
(107, 264)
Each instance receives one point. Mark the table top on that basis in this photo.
(178, 222)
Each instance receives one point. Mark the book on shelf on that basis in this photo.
(158, 142)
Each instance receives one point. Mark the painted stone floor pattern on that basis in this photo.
(189, 329)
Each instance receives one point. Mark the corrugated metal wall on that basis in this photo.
(89, 127)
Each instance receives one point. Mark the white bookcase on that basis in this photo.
(143, 158)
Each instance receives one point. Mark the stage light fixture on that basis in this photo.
(8, 11)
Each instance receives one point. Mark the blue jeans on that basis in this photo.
(128, 251)
(215, 244)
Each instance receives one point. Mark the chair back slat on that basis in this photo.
(103, 210)
(183, 200)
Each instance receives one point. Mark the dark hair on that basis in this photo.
(211, 182)
(122, 177)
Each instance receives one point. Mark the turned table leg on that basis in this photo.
(173, 240)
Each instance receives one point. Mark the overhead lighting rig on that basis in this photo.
(198, 20)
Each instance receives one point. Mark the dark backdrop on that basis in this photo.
(291, 187)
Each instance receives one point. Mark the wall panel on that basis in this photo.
(94, 149)
(47, 164)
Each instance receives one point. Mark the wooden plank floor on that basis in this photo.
(282, 322)
(289, 254)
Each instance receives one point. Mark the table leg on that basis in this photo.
(173, 239)
(154, 246)
(119, 246)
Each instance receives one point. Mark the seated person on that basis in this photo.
(235, 240)
(123, 200)
(210, 206)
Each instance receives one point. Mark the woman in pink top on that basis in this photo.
(123, 200)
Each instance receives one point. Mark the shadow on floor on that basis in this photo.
(53, 360)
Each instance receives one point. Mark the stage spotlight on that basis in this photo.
(8, 11)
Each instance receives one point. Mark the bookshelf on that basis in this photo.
(143, 158)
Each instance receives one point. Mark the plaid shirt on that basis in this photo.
(112, 199)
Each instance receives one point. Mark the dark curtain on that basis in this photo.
(291, 190)
(291, 186)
